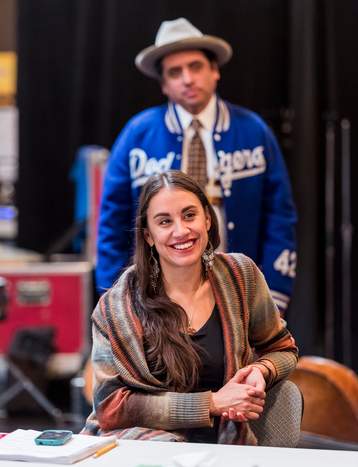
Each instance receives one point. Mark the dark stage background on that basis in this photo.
(293, 60)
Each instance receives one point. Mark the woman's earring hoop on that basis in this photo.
(208, 258)
(154, 269)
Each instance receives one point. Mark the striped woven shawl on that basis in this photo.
(237, 285)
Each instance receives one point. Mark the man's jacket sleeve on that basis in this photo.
(116, 216)
(277, 230)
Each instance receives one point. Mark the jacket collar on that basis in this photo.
(222, 122)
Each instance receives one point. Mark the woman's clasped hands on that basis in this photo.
(242, 398)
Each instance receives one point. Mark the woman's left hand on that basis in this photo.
(255, 379)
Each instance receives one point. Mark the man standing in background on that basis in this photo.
(227, 149)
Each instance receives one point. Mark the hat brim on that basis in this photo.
(146, 59)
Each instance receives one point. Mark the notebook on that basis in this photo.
(20, 446)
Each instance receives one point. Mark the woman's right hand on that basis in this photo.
(237, 401)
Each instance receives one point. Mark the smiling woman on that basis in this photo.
(179, 235)
(180, 322)
(178, 239)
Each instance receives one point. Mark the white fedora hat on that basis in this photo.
(177, 35)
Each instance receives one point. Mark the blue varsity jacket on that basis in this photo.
(260, 212)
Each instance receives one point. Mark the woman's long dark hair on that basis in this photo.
(170, 353)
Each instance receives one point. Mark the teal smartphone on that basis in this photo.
(53, 437)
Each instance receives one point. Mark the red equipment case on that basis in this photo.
(50, 294)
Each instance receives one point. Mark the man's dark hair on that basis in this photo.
(208, 54)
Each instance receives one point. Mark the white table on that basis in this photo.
(135, 453)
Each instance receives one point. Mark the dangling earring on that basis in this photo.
(208, 258)
(154, 269)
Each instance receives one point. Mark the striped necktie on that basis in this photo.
(197, 156)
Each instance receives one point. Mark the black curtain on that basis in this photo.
(45, 85)
(78, 85)
(306, 310)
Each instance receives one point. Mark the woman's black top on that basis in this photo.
(210, 339)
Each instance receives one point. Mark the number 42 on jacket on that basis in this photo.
(286, 263)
